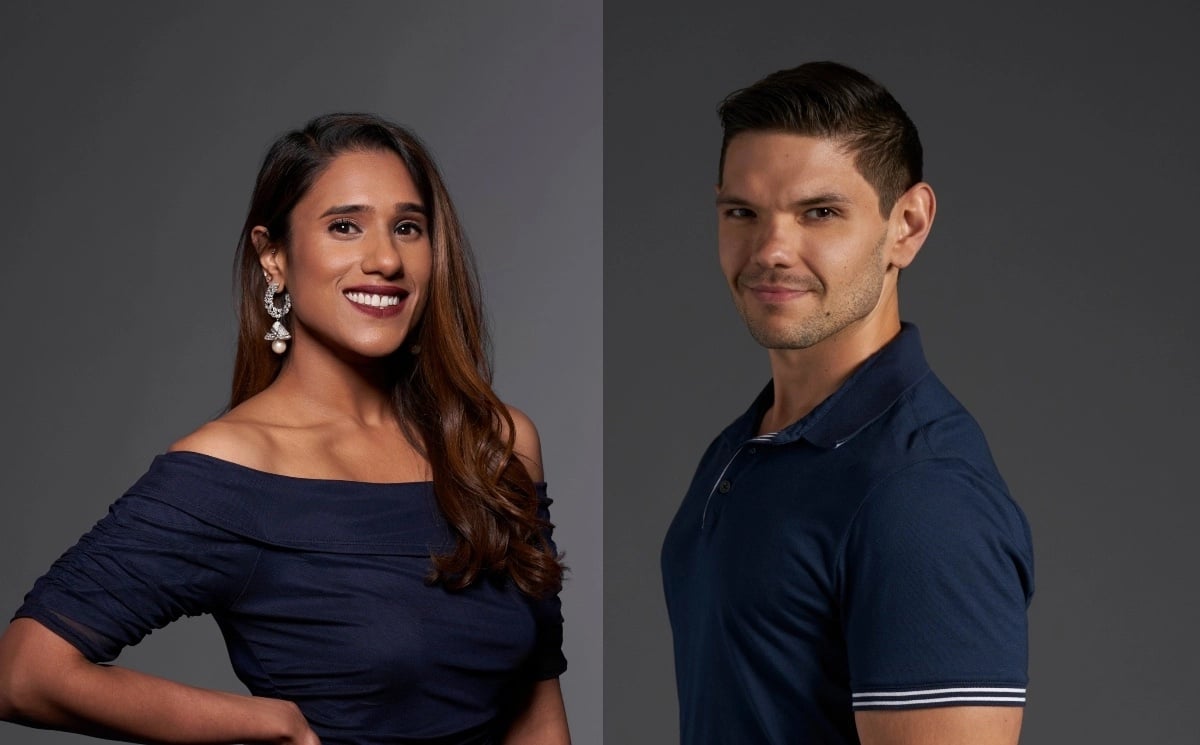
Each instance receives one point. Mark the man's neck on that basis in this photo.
(803, 378)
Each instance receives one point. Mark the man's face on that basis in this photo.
(801, 240)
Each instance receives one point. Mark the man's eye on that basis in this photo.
(820, 213)
(739, 213)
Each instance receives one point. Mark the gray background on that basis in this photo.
(132, 134)
(1055, 297)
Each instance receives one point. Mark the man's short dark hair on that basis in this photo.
(830, 100)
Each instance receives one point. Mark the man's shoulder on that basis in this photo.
(927, 458)
(935, 424)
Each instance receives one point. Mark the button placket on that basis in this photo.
(724, 485)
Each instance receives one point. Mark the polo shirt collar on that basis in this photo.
(864, 397)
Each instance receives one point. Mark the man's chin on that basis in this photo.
(772, 337)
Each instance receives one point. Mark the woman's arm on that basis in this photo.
(46, 682)
(543, 721)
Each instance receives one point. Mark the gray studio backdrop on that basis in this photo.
(132, 133)
(1056, 297)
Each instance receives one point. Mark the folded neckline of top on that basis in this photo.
(261, 474)
(256, 473)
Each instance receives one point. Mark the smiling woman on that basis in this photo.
(366, 522)
(357, 237)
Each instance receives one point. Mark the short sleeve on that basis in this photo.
(936, 578)
(142, 566)
(547, 659)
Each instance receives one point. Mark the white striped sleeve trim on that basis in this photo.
(932, 696)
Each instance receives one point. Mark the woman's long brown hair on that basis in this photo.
(442, 396)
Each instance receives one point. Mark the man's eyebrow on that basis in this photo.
(731, 200)
(828, 197)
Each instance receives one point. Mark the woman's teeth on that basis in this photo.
(375, 301)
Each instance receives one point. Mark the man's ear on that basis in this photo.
(911, 220)
(272, 261)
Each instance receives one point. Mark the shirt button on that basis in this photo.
(724, 486)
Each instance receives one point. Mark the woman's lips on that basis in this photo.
(380, 302)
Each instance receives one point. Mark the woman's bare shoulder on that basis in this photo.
(238, 436)
(526, 442)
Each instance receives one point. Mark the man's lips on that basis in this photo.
(777, 293)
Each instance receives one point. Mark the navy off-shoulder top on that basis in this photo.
(319, 589)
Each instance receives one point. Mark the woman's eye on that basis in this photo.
(408, 228)
(343, 227)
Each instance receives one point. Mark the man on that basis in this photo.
(847, 565)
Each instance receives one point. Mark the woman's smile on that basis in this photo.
(378, 301)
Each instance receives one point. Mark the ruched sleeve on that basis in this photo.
(142, 566)
(547, 659)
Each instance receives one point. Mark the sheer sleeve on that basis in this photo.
(142, 566)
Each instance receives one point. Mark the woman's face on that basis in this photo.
(359, 258)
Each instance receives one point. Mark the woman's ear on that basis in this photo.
(269, 257)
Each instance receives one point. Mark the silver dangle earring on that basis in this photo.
(278, 335)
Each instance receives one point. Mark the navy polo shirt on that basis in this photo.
(868, 556)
